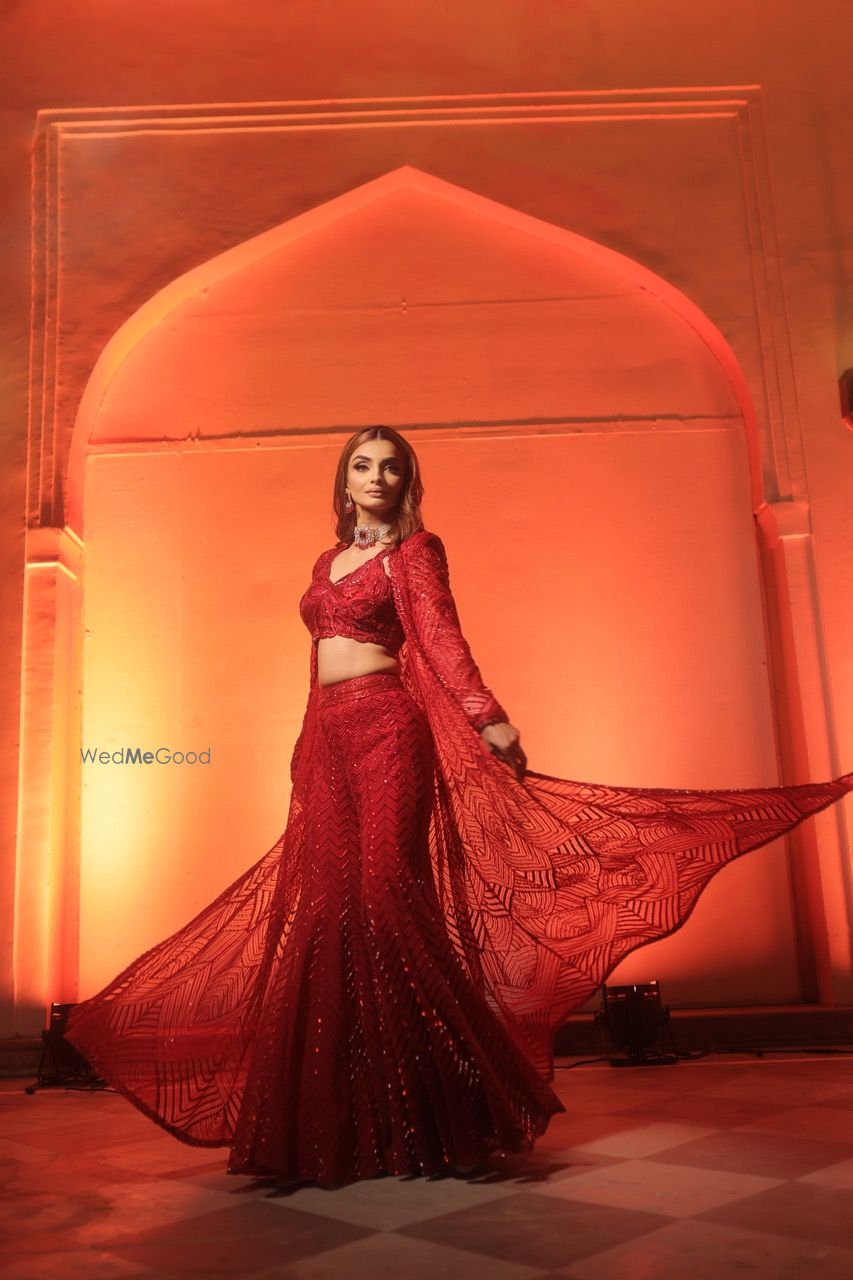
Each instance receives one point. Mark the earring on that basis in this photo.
(348, 503)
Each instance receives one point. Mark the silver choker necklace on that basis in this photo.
(367, 535)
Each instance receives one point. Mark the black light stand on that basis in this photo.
(60, 1063)
(633, 1020)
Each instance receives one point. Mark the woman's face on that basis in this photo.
(375, 479)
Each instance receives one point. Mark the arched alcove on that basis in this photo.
(407, 245)
(591, 462)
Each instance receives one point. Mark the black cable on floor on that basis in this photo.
(691, 1055)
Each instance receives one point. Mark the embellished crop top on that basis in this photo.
(361, 605)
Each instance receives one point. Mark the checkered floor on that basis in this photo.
(710, 1168)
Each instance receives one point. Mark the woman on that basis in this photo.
(378, 994)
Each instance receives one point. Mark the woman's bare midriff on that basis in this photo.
(341, 658)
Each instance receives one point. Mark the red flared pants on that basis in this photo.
(375, 1052)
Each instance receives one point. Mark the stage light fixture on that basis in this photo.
(632, 1024)
(60, 1063)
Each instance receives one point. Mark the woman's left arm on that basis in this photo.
(502, 739)
(449, 653)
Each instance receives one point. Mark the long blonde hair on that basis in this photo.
(406, 518)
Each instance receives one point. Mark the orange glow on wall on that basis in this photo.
(411, 301)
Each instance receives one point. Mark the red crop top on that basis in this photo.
(361, 605)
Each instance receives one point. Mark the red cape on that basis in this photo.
(546, 884)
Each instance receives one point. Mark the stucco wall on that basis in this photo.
(736, 190)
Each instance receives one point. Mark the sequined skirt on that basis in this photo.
(374, 1052)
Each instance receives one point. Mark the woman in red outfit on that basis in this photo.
(379, 993)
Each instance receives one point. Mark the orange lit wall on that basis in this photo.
(598, 279)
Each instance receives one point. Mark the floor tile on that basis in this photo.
(12, 1102)
(35, 1223)
(84, 1136)
(704, 1109)
(549, 1162)
(12, 1152)
(114, 1212)
(585, 1100)
(385, 1203)
(54, 1112)
(534, 1230)
(834, 1175)
(572, 1131)
(691, 1250)
(633, 1141)
(770, 1155)
(400, 1258)
(223, 1242)
(782, 1090)
(165, 1155)
(89, 1265)
(82, 1173)
(832, 1124)
(800, 1209)
(837, 1100)
(658, 1188)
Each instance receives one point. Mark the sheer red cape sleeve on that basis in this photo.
(434, 621)
(546, 884)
